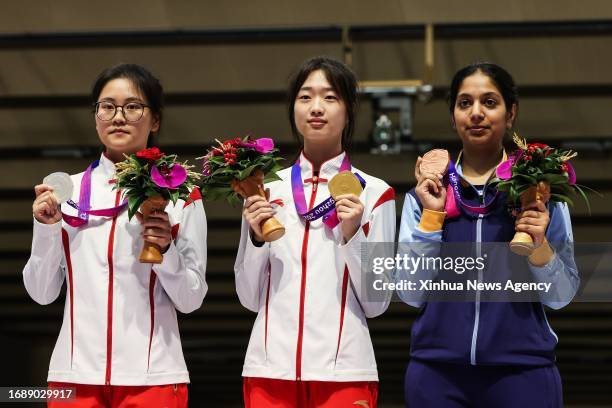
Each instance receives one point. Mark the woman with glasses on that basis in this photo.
(119, 344)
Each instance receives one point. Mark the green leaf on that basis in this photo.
(272, 176)
(561, 198)
(134, 203)
(584, 197)
(527, 179)
(555, 178)
(247, 171)
(174, 196)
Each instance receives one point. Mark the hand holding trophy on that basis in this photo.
(536, 172)
(237, 169)
(150, 179)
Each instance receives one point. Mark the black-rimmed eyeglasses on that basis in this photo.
(132, 111)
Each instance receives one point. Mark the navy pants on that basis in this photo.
(442, 385)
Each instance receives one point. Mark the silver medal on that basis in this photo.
(62, 185)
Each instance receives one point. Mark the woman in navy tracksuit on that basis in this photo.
(476, 353)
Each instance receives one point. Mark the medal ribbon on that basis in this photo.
(453, 196)
(84, 205)
(325, 209)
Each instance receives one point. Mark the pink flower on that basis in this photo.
(571, 174)
(206, 168)
(169, 177)
(263, 145)
(504, 170)
(516, 155)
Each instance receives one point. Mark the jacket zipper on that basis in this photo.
(109, 327)
(298, 356)
(477, 302)
(482, 195)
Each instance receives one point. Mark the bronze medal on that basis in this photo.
(435, 161)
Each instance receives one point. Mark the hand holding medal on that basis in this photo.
(428, 172)
(344, 182)
(345, 189)
(55, 189)
(46, 205)
(62, 186)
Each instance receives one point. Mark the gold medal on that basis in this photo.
(344, 182)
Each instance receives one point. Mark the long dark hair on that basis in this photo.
(144, 81)
(342, 80)
(500, 78)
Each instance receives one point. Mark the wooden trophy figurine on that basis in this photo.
(522, 243)
(271, 229)
(151, 253)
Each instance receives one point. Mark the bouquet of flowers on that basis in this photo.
(536, 172)
(535, 163)
(237, 168)
(150, 179)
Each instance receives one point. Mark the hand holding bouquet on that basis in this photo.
(236, 169)
(150, 179)
(536, 172)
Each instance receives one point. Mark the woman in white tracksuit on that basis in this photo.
(119, 344)
(310, 345)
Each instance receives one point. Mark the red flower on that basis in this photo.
(564, 167)
(230, 158)
(527, 157)
(152, 154)
(233, 143)
(538, 146)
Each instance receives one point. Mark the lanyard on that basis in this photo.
(327, 207)
(453, 196)
(84, 205)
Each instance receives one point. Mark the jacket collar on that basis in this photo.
(106, 167)
(459, 168)
(328, 169)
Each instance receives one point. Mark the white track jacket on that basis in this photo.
(307, 286)
(120, 324)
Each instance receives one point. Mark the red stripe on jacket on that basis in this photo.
(194, 196)
(152, 280)
(66, 244)
(267, 303)
(388, 195)
(342, 306)
(304, 258)
(109, 327)
(174, 231)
